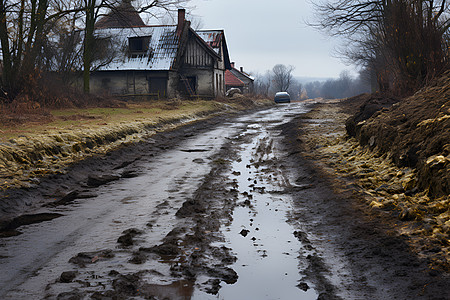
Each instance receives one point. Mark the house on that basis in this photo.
(158, 61)
(235, 78)
(216, 40)
(232, 82)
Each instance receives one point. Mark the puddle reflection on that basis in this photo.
(259, 236)
(179, 290)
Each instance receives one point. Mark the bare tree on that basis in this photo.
(263, 83)
(402, 41)
(282, 77)
(313, 89)
(32, 33)
(344, 86)
(94, 9)
(295, 90)
(22, 34)
(27, 31)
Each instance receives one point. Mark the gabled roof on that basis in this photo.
(212, 38)
(232, 80)
(162, 50)
(206, 46)
(161, 53)
(162, 46)
(216, 40)
(122, 16)
(242, 75)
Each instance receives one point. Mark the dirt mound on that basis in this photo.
(245, 101)
(368, 104)
(414, 132)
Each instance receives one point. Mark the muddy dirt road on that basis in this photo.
(216, 210)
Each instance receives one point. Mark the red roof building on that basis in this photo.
(231, 81)
(235, 78)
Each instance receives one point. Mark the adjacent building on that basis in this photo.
(159, 61)
(235, 78)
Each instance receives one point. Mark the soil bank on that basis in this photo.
(362, 210)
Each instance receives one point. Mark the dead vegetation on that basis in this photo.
(37, 141)
(381, 184)
(396, 154)
(414, 133)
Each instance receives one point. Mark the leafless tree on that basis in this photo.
(37, 34)
(282, 77)
(22, 34)
(262, 83)
(94, 9)
(402, 41)
(344, 86)
(27, 32)
(295, 90)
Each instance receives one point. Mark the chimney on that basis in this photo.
(181, 20)
(232, 64)
(242, 69)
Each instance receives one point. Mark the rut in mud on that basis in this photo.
(172, 224)
(222, 209)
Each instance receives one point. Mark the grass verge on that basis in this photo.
(36, 145)
(383, 186)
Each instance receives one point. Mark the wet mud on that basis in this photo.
(10, 228)
(228, 208)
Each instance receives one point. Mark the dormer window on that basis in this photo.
(138, 46)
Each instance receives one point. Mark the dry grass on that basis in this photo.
(33, 144)
(39, 122)
(380, 183)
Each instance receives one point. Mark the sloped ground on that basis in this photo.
(414, 196)
(366, 251)
(413, 133)
(36, 145)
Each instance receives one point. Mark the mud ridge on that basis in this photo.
(210, 205)
(95, 171)
(9, 228)
(188, 249)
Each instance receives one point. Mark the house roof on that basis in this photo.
(216, 40)
(122, 16)
(242, 75)
(161, 53)
(232, 80)
(212, 38)
(206, 46)
(163, 46)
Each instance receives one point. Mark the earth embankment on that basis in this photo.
(414, 133)
(414, 195)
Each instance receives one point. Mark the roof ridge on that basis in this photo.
(122, 16)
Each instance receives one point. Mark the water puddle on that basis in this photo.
(142, 208)
(148, 202)
(267, 251)
(179, 290)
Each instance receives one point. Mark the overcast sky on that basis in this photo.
(263, 33)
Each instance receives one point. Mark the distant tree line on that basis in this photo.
(402, 44)
(280, 79)
(342, 87)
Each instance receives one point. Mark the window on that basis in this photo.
(139, 46)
